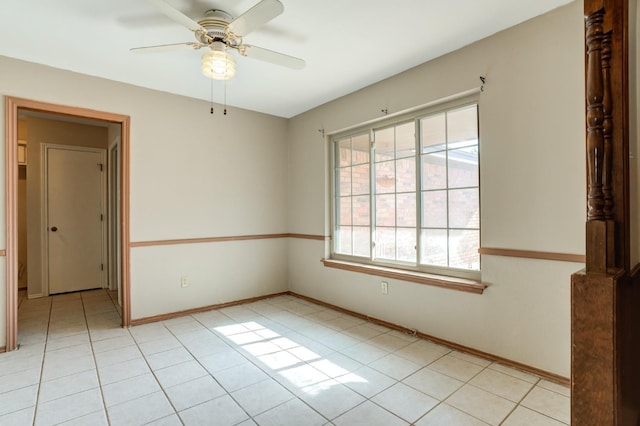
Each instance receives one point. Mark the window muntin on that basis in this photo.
(407, 193)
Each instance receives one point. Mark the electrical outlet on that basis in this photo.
(384, 287)
(184, 282)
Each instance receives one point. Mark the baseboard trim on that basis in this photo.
(3, 349)
(509, 363)
(163, 317)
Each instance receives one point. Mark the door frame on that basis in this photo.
(44, 214)
(12, 105)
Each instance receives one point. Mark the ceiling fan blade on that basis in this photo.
(271, 56)
(167, 47)
(176, 15)
(259, 14)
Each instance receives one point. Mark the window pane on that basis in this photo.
(462, 126)
(434, 209)
(433, 246)
(360, 149)
(405, 140)
(344, 152)
(406, 244)
(463, 246)
(361, 210)
(434, 171)
(406, 209)
(386, 210)
(344, 211)
(406, 175)
(464, 211)
(433, 134)
(386, 243)
(463, 167)
(360, 179)
(385, 146)
(343, 240)
(362, 241)
(385, 177)
(344, 186)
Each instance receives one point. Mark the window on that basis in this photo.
(406, 193)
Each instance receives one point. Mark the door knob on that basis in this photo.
(54, 228)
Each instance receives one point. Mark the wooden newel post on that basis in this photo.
(600, 226)
(605, 345)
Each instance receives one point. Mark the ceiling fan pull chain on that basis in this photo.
(211, 80)
(225, 97)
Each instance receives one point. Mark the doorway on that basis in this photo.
(12, 108)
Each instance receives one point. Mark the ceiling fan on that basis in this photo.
(220, 33)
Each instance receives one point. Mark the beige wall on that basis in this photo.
(532, 192)
(41, 131)
(193, 175)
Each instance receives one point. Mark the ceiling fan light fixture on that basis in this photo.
(217, 63)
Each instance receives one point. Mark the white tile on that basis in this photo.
(194, 392)
(471, 358)
(172, 420)
(405, 402)
(502, 384)
(364, 352)
(389, 342)
(68, 408)
(555, 387)
(141, 410)
(222, 360)
(481, 404)
(68, 385)
(549, 403)
(293, 412)
(113, 343)
(223, 409)
(278, 360)
(18, 399)
(395, 366)
(433, 383)
(18, 418)
(180, 373)
(527, 377)
(366, 381)
(129, 389)
(456, 367)
(168, 358)
(116, 356)
(297, 378)
(19, 379)
(522, 416)
(331, 398)
(238, 377)
(368, 414)
(423, 352)
(65, 342)
(261, 396)
(446, 415)
(122, 371)
(159, 345)
(97, 418)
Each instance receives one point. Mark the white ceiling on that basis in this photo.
(347, 44)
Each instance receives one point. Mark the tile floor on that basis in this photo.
(280, 361)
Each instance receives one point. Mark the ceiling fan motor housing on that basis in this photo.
(215, 21)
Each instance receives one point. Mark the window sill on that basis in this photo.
(460, 284)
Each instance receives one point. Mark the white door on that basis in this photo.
(74, 218)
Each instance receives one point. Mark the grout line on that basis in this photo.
(44, 354)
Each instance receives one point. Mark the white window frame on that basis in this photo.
(369, 128)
